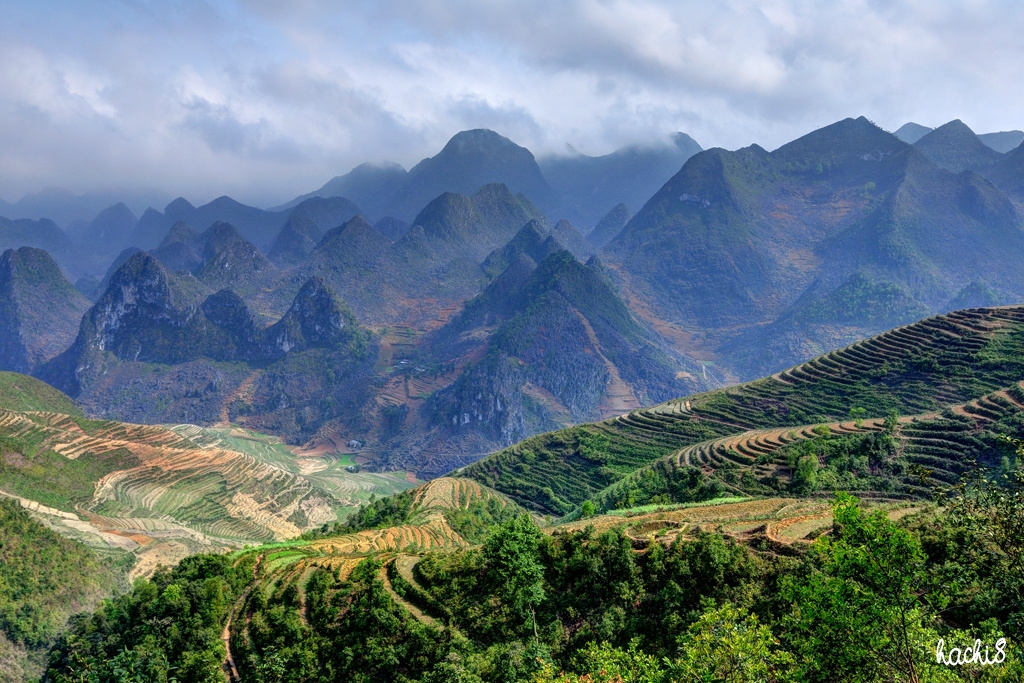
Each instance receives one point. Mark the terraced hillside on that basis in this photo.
(426, 526)
(410, 575)
(164, 493)
(288, 566)
(956, 373)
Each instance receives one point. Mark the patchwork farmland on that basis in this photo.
(164, 493)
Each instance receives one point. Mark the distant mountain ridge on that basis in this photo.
(956, 148)
(157, 325)
(743, 238)
(589, 187)
(256, 225)
(470, 160)
(576, 187)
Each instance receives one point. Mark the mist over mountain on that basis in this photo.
(589, 187)
(256, 225)
(65, 207)
(42, 234)
(579, 188)
(471, 159)
(369, 185)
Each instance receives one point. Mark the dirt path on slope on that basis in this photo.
(243, 391)
(619, 397)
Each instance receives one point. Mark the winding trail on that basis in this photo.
(229, 660)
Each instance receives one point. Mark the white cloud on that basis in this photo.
(263, 100)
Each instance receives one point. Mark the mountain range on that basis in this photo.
(483, 317)
(775, 256)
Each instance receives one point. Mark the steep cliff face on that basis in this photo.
(175, 356)
(317, 318)
(39, 309)
(133, 318)
(560, 347)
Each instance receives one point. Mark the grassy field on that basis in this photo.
(21, 392)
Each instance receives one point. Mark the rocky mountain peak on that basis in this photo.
(317, 317)
(217, 237)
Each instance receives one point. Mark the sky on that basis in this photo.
(264, 100)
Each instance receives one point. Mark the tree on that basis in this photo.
(512, 556)
(989, 510)
(858, 614)
(606, 664)
(730, 645)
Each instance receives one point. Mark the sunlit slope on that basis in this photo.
(903, 458)
(425, 527)
(919, 369)
(162, 495)
(21, 392)
(767, 524)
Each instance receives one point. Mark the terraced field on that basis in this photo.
(400, 547)
(767, 525)
(327, 470)
(957, 373)
(164, 493)
(938, 445)
(778, 520)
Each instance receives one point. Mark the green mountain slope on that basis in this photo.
(956, 148)
(44, 579)
(920, 369)
(39, 309)
(24, 393)
(739, 240)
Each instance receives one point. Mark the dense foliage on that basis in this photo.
(867, 602)
(165, 629)
(44, 579)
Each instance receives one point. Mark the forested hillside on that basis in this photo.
(44, 579)
(701, 540)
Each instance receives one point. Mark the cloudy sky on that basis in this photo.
(264, 99)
